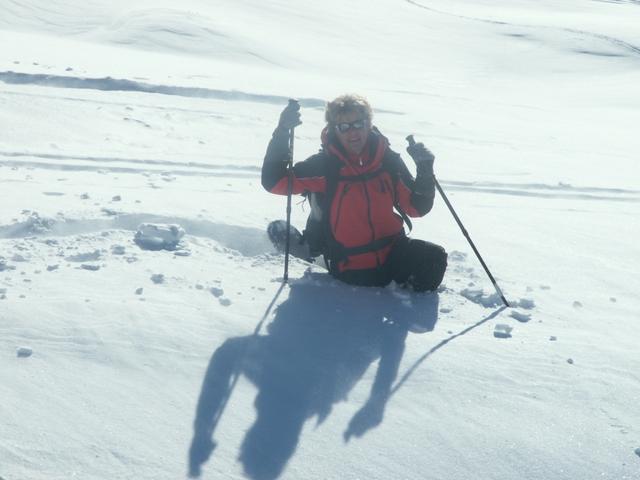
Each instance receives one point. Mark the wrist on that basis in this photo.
(281, 131)
(424, 169)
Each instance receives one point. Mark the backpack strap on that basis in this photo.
(335, 251)
(395, 175)
(332, 175)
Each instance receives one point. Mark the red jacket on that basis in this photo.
(365, 195)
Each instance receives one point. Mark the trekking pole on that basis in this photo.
(289, 195)
(412, 142)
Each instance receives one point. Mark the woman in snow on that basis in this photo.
(361, 192)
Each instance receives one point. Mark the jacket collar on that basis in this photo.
(371, 157)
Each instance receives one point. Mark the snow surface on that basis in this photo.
(127, 362)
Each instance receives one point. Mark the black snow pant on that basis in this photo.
(411, 263)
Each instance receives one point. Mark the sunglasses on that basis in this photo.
(344, 127)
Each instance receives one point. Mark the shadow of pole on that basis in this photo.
(216, 392)
(440, 345)
(319, 345)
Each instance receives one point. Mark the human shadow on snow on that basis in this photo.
(320, 343)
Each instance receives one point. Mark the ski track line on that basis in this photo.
(191, 169)
(136, 161)
(250, 242)
(606, 38)
(170, 109)
(110, 84)
(542, 186)
(67, 167)
(568, 194)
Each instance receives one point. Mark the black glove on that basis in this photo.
(290, 116)
(424, 168)
(422, 157)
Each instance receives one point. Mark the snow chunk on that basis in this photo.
(638, 451)
(24, 352)
(157, 278)
(577, 304)
(456, 256)
(36, 225)
(152, 236)
(478, 296)
(84, 257)
(521, 317)
(525, 303)
(118, 249)
(5, 266)
(109, 211)
(502, 330)
(90, 267)
(216, 292)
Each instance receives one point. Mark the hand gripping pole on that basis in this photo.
(412, 142)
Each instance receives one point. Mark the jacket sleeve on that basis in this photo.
(415, 196)
(307, 176)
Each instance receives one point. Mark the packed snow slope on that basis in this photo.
(127, 357)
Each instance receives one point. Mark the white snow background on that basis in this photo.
(118, 361)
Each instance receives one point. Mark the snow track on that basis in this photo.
(124, 165)
(123, 85)
(248, 241)
(538, 33)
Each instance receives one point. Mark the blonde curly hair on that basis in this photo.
(346, 104)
